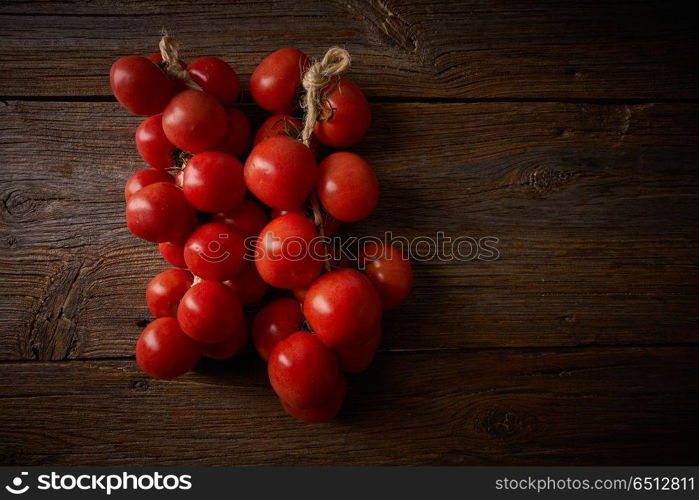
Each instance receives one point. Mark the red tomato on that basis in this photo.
(215, 252)
(164, 351)
(140, 86)
(159, 212)
(213, 182)
(230, 346)
(330, 224)
(165, 290)
(173, 253)
(287, 253)
(283, 125)
(343, 308)
(390, 272)
(238, 134)
(357, 359)
(345, 114)
(304, 373)
(275, 82)
(281, 172)
(276, 321)
(142, 178)
(217, 78)
(248, 218)
(152, 144)
(209, 312)
(248, 285)
(194, 121)
(347, 187)
(324, 412)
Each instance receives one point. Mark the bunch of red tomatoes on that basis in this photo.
(210, 214)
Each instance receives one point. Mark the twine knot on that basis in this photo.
(170, 54)
(335, 62)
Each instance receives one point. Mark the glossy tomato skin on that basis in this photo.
(140, 86)
(159, 212)
(283, 125)
(217, 78)
(356, 359)
(238, 134)
(346, 114)
(275, 322)
(164, 351)
(173, 253)
(303, 372)
(347, 186)
(324, 412)
(142, 178)
(210, 312)
(275, 82)
(288, 253)
(230, 346)
(390, 272)
(248, 285)
(281, 172)
(194, 121)
(215, 252)
(248, 218)
(213, 182)
(153, 145)
(343, 308)
(165, 290)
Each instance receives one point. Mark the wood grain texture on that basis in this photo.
(594, 406)
(594, 206)
(443, 49)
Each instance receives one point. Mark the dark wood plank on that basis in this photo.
(591, 406)
(595, 208)
(467, 49)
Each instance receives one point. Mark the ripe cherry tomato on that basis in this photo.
(164, 351)
(238, 135)
(165, 290)
(248, 218)
(213, 182)
(194, 121)
(357, 359)
(304, 373)
(215, 252)
(275, 82)
(248, 285)
(390, 272)
(142, 178)
(283, 125)
(159, 212)
(217, 78)
(326, 411)
(276, 321)
(173, 253)
(281, 172)
(330, 224)
(288, 253)
(210, 312)
(343, 308)
(230, 346)
(345, 115)
(152, 144)
(347, 186)
(140, 86)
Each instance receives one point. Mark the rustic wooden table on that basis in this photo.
(568, 130)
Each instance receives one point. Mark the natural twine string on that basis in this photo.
(335, 62)
(170, 54)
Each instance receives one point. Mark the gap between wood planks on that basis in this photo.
(390, 352)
